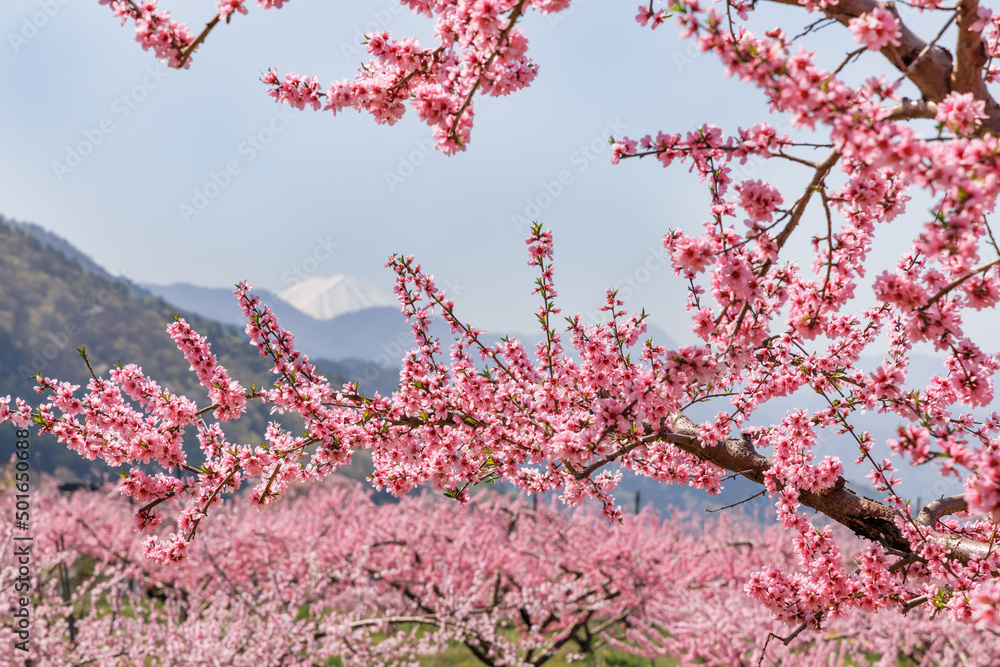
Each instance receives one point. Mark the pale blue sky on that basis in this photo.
(320, 180)
(304, 183)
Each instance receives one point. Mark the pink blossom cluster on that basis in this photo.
(296, 91)
(155, 30)
(989, 25)
(876, 29)
(759, 200)
(653, 18)
(224, 392)
(748, 292)
(455, 425)
(961, 112)
(331, 574)
(173, 42)
(481, 50)
(227, 7)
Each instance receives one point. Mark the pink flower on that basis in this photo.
(876, 29)
(227, 7)
(646, 15)
(622, 148)
(296, 90)
(984, 603)
(759, 200)
(549, 6)
(960, 112)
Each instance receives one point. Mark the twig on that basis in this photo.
(189, 51)
(784, 640)
(915, 602)
(740, 502)
(958, 281)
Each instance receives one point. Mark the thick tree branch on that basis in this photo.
(929, 67)
(934, 510)
(970, 52)
(867, 518)
(911, 109)
(970, 58)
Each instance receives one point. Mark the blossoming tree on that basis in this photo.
(338, 576)
(554, 419)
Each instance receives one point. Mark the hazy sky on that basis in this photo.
(338, 195)
(313, 192)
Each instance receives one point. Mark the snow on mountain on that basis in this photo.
(324, 298)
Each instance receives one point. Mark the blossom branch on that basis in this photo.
(970, 58)
(866, 517)
(193, 46)
(822, 170)
(931, 67)
(958, 281)
(515, 14)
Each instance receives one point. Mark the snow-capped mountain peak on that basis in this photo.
(327, 297)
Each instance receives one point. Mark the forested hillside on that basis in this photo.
(50, 305)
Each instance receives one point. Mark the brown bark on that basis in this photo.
(930, 72)
(867, 518)
(970, 58)
(931, 67)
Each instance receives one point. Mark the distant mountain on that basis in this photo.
(217, 303)
(53, 301)
(65, 248)
(377, 335)
(326, 298)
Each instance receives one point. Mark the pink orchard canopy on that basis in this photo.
(549, 419)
